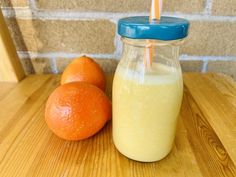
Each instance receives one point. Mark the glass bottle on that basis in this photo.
(148, 87)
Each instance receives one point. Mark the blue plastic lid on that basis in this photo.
(168, 28)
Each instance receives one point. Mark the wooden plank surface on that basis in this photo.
(10, 66)
(204, 146)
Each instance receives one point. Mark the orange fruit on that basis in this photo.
(77, 110)
(84, 69)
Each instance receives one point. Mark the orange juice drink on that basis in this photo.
(145, 111)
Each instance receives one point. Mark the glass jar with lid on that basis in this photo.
(148, 87)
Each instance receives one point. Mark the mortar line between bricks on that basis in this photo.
(53, 65)
(51, 55)
(23, 54)
(32, 4)
(204, 66)
(185, 57)
(118, 46)
(15, 8)
(208, 7)
(55, 15)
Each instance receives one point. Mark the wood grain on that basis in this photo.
(6, 89)
(211, 155)
(28, 147)
(10, 66)
(216, 99)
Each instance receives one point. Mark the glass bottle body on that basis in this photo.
(147, 95)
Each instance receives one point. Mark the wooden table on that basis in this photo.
(205, 143)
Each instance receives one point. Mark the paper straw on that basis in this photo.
(155, 16)
(156, 9)
(148, 54)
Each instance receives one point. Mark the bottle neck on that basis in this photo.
(166, 52)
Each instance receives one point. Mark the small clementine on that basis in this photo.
(84, 69)
(77, 110)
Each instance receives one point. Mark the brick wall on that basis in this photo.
(48, 34)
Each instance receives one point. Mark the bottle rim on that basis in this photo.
(151, 42)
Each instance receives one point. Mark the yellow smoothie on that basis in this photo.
(145, 111)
